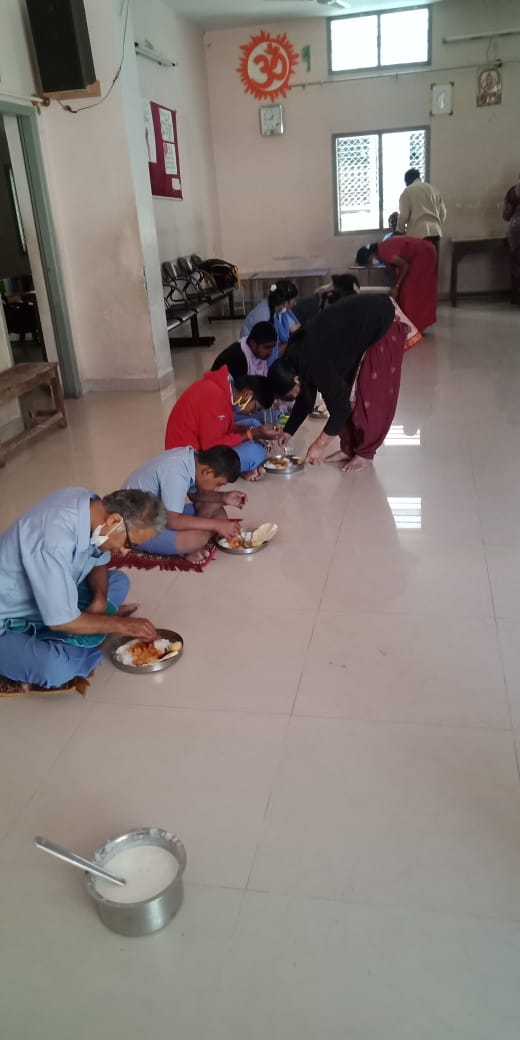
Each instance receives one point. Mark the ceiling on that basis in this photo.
(224, 14)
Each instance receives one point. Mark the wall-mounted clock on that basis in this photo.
(271, 120)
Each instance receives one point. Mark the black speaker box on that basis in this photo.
(61, 41)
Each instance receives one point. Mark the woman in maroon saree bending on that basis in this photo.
(373, 399)
(351, 350)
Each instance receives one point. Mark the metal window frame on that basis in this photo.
(379, 67)
(425, 127)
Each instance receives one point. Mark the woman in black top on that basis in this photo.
(354, 348)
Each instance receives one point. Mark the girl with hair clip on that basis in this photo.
(276, 309)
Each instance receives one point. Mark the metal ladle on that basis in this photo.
(75, 860)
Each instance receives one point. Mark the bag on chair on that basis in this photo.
(223, 274)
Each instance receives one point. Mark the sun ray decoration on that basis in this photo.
(266, 66)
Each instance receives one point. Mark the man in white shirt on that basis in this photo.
(421, 209)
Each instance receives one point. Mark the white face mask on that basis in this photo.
(97, 539)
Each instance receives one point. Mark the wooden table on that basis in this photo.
(19, 383)
(373, 273)
(462, 247)
(262, 279)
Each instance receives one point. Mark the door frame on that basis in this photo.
(52, 272)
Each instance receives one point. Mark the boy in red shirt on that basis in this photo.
(204, 416)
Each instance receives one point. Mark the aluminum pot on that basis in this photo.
(148, 915)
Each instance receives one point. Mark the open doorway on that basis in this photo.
(17, 289)
(34, 320)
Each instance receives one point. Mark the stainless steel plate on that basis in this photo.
(295, 465)
(156, 666)
(222, 544)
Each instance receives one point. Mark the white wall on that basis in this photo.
(92, 188)
(276, 194)
(90, 161)
(111, 234)
(190, 225)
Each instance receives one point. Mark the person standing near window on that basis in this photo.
(421, 210)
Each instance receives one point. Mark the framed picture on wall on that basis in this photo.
(489, 87)
(442, 99)
(15, 205)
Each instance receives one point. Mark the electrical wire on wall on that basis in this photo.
(76, 111)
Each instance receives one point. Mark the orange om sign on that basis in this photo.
(266, 65)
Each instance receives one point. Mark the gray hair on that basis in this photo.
(140, 509)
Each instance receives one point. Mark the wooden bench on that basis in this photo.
(19, 383)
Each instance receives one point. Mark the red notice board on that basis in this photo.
(163, 150)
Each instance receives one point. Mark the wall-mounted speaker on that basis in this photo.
(62, 45)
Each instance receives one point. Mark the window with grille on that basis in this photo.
(369, 175)
(382, 40)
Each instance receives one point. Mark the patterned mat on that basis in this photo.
(147, 561)
(10, 688)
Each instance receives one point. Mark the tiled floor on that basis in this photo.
(336, 748)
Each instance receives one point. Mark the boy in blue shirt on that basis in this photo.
(179, 474)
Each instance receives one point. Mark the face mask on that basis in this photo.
(242, 406)
(97, 539)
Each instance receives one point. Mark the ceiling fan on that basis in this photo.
(342, 4)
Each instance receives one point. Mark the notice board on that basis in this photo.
(160, 126)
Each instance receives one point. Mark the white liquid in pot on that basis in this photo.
(147, 869)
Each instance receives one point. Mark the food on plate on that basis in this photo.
(264, 533)
(138, 652)
(236, 543)
(278, 462)
(251, 539)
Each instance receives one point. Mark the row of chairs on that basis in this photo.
(189, 288)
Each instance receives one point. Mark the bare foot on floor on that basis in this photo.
(197, 557)
(126, 609)
(356, 464)
(254, 474)
(337, 456)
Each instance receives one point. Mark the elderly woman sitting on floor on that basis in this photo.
(58, 600)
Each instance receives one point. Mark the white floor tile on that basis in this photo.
(422, 817)
(301, 969)
(408, 576)
(509, 637)
(434, 670)
(204, 776)
(286, 575)
(504, 573)
(223, 666)
(85, 979)
(33, 732)
(377, 511)
(337, 734)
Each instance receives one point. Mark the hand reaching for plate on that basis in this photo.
(227, 528)
(137, 628)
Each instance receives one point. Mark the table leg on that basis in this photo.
(28, 410)
(59, 402)
(455, 257)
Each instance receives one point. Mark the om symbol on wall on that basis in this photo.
(266, 65)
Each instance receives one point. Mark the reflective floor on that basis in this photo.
(336, 748)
